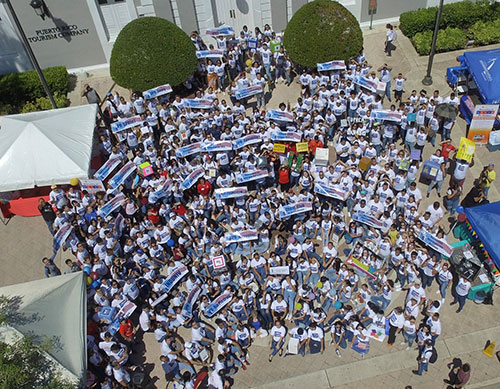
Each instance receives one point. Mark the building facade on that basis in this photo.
(80, 33)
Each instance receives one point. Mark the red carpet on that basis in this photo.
(26, 206)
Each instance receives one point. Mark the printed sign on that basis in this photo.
(146, 169)
(367, 219)
(198, 104)
(302, 147)
(121, 125)
(280, 116)
(193, 148)
(60, 236)
(230, 193)
(482, 123)
(295, 208)
(366, 83)
(251, 176)
(218, 304)
(466, 149)
(332, 65)
(169, 282)
(355, 262)
(288, 136)
(106, 314)
(440, 245)
(122, 174)
(247, 92)
(240, 236)
(279, 270)
(252, 43)
(330, 191)
(220, 31)
(111, 205)
(92, 186)
(209, 54)
(246, 141)
(192, 178)
(218, 262)
(279, 148)
(219, 145)
(384, 114)
(107, 168)
(126, 309)
(158, 91)
(192, 297)
(161, 192)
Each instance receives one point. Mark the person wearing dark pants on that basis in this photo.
(461, 292)
(424, 358)
(396, 321)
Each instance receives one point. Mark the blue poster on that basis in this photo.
(158, 91)
(107, 168)
(122, 174)
(218, 304)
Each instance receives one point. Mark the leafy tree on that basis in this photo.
(322, 31)
(150, 52)
(23, 364)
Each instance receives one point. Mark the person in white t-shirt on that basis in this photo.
(277, 339)
(461, 292)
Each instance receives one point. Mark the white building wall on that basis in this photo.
(175, 12)
(204, 15)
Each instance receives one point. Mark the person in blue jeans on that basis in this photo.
(423, 359)
(384, 299)
(338, 338)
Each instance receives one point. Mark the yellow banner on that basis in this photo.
(302, 147)
(466, 149)
(278, 148)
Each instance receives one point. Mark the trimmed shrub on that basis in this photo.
(43, 103)
(486, 33)
(17, 88)
(447, 40)
(152, 51)
(322, 31)
(457, 15)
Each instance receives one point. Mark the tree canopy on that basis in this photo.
(322, 31)
(152, 51)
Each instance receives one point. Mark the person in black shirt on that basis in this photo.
(48, 214)
(474, 197)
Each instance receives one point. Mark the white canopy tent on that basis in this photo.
(46, 147)
(53, 308)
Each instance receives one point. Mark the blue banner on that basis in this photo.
(122, 174)
(111, 205)
(219, 145)
(169, 282)
(187, 308)
(209, 54)
(332, 65)
(330, 191)
(385, 114)
(366, 83)
(158, 91)
(106, 314)
(247, 92)
(439, 245)
(252, 43)
(251, 176)
(192, 178)
(288, 136)
(230, 193)
(161, 192)
(240, 236)
(295, 208)
(366, 218)
(60, 236)
(220, 31)
(246, 141)
(280, 116)
(218, 304)
(190, 149)
(121, 125)
(198, 104)
(107, 168)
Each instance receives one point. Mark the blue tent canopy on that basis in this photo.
(485, 220)
(484, 67)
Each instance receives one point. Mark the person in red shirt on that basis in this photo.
(314, 144)
(204, 187)
(446, 149)
(126, 330)
(153, 215)
(284, 178)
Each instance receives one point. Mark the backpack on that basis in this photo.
(434, 355)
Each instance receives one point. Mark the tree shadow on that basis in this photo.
(10, 315)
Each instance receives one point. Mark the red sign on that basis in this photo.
(219, 262)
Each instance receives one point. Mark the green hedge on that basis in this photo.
(448, 40)
(43, 103)
(457, 15)
(18, 88)
(152, 51)
(322, 31)
(486, 33)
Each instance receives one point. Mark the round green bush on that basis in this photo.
(152, 51)
(322, 31)
(448, 39)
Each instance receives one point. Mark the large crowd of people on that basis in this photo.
(207, 274)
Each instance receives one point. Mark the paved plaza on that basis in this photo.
(26, 240)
